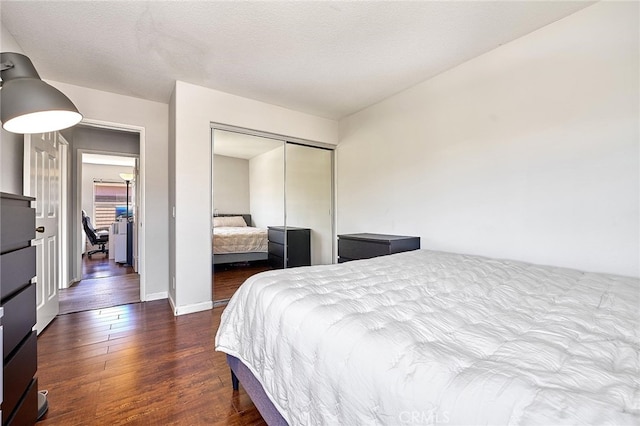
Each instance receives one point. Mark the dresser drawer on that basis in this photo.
(354, 249)
(18, 372)
(19, 317)
(17, 223)
(16, 270)
(277, 249)
(298, 246)
(276, 262)
(26, 413)
(275, 235)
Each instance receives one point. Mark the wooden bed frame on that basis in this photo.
(218, 259)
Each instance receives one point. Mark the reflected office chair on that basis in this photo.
(97, 237)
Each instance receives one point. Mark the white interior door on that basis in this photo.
(42, 181)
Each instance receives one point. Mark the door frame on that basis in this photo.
(63, 223)
(140, 189)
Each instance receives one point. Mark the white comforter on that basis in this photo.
(427, 337)
(245, 239)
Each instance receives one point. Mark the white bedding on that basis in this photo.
(428, 337)
(245, 239)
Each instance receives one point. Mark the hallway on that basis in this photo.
(104, 284)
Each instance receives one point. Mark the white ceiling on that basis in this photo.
(328, 58)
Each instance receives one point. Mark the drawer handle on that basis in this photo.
(40, 229)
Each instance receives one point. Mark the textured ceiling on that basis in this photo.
(329, 58)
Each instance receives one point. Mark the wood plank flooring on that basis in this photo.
(138, 364)
(227, 278)
(105, 284)
(99, 266)
(98, 293)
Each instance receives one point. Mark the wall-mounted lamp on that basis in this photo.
(28, 104)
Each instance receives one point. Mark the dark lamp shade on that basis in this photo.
(29, 105)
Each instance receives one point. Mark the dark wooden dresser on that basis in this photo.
(298, 241)
(365, 246)
(18, 301)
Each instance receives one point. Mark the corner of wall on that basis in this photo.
(171, 173)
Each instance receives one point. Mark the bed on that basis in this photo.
(234, 240)
(428, 337)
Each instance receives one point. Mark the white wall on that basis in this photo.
(528, 152)
(154, 222)
(266, 174)
(195, 108)
(230, 184)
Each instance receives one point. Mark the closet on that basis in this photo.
(285, 184)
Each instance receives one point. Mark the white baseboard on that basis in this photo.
(71, 282)
(157, 296)
(189, 309)
(173, 305)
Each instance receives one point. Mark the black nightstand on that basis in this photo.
(298, 246)
(365, 246)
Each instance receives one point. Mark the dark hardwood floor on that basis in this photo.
(104, 284)
(227, 278)
(138, 364)
(99, 266)
(100, 293)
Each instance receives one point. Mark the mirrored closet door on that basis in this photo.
(247, 197)
(309, 196)
(272, 206)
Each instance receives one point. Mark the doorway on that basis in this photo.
(105, 203)
(108, 204)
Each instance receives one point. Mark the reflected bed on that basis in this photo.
(234, 241)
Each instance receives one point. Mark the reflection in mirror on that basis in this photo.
(247, 181)
(309, 200)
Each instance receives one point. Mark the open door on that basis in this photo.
(42, 181)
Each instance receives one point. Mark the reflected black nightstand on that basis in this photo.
(298, 246)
